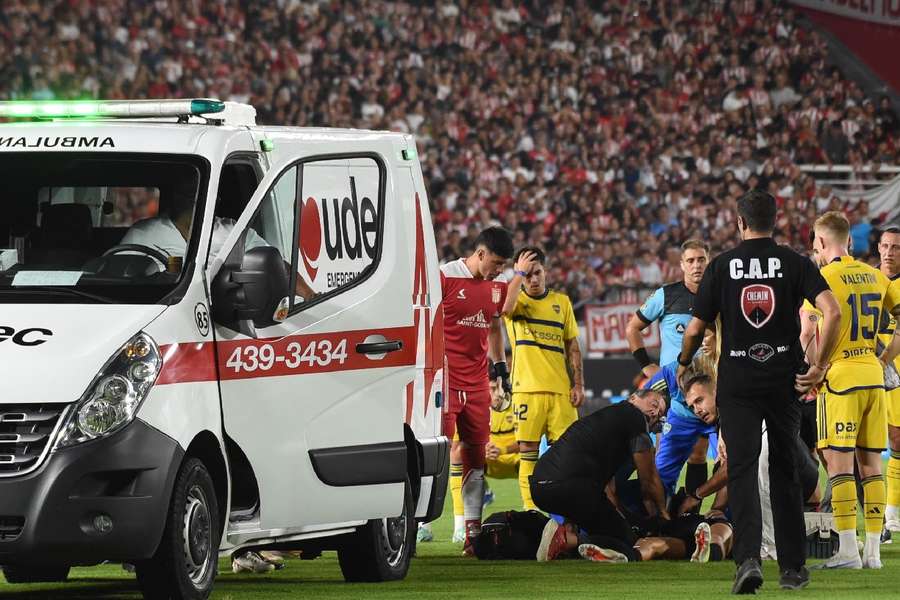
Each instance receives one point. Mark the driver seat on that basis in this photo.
(65, 237)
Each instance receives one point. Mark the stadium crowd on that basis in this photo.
(608, 135)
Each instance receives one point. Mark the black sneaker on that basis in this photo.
(886, 536)
(748, 578)
(794, 579)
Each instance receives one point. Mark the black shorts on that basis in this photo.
(808, 423)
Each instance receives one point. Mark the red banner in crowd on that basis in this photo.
(886, 12)
(605, 327)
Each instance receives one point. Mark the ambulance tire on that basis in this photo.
(184, 566)
(35, 574)
(381, 549)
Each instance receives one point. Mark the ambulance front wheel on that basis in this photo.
(184, 566)
(382, 548)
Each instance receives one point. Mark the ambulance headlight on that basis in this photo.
(116, 393)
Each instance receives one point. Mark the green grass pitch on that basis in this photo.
(439, 572)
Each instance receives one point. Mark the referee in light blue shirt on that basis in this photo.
(685, 438)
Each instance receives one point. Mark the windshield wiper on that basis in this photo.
(58, 291)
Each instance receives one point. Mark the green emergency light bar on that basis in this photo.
(110, 109)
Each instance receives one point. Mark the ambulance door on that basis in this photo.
(317, 401)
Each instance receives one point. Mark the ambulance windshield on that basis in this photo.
(90, 227)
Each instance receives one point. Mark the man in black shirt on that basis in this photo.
(756, 291)
(570, 479)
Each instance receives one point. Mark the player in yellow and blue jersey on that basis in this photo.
(852, 419)
(547, 371)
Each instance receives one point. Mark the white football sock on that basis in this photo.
(848, 547)
(459, 522)
(473, 494)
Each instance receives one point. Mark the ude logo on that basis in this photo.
(348, 229)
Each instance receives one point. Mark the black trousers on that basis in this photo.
(741, 416)
(583, 501)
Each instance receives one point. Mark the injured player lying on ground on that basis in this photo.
(702, 538)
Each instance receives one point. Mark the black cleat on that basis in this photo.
(748, 578)
(794, 579)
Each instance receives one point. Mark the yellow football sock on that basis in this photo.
(843, 501)
(893, 479)
(873, 492)
(456, 471)
(527, 461)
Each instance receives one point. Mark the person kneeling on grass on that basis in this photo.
(572, 478)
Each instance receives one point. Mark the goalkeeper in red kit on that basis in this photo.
(473, 295)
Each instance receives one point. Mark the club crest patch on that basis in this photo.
(757, 304)
(495, 295)
(761, 352)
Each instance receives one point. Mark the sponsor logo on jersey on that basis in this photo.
(461, 294)
(757, 304)
(476, 320)
(679, 328)
(761, 352)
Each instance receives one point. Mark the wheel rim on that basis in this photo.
(197, 536)
(394, 538)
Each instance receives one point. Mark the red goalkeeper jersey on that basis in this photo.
(470, 305)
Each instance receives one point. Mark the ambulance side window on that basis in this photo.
(341, 213)
(325, 217)
(274, 221)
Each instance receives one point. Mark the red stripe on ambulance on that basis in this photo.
(292, 355)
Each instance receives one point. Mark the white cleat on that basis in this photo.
(872, 562)
(459, 536)
(250, 562)
(701, 541)
(841, 562)
(601, 555)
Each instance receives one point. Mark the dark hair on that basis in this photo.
(698, 379)
(757, 208)
(644, 392)
(497, 240)
(539, 255)
(889, 229)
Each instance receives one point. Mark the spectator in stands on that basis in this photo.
(860, 230)
(584, 119)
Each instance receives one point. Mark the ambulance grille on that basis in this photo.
(26, 434)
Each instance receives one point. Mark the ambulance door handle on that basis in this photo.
(379, 347)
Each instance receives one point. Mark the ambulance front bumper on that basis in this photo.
(101, 500)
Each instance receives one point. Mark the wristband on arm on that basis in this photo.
(686, 363)
(642, 357)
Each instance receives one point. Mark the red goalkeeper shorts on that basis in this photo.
(469, 412)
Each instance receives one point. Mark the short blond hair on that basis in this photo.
(695, 244)
(835, 223)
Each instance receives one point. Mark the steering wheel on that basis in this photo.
(147, 250)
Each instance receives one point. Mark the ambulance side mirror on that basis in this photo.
(251, 291)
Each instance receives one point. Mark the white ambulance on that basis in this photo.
(214, 336)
